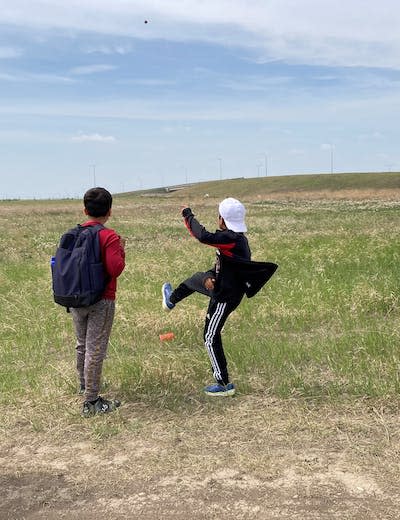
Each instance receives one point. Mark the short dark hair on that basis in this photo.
(97, 202)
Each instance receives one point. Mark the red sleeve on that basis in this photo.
(112, 252)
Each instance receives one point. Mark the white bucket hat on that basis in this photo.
(233, 212)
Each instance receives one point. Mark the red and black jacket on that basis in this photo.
(229, 244)
(234, 272)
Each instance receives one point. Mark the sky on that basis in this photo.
(134, 94)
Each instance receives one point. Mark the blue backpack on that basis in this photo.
(77, 270)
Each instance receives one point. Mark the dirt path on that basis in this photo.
(252, 458)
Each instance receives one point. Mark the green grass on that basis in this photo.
(267, 186)
(326, 326)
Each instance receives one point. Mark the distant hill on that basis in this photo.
(343, 185)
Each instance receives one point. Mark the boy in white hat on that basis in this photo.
(225, 284)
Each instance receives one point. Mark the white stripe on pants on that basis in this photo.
(210, 336)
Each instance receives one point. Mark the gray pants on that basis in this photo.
(92, 328)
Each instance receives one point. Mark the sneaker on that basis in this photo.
(220, 390)
(100, 406)
(166, 292)
(81, 390)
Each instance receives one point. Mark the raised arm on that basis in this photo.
(218, 239)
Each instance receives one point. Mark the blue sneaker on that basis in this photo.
(220, 390)
(166, 292)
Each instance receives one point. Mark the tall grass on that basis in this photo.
(326, 325)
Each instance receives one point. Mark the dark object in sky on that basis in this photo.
(146, 21)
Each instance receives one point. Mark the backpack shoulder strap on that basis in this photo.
(92, 227)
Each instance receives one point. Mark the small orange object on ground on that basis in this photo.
(167, 336)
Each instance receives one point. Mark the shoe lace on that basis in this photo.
(104, 404)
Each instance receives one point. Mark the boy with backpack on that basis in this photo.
(233, 276)
(85, 271)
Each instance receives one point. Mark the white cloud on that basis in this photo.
(297, 152)
(35, 78)
(373, 136)
(8, 77)
(109, 50)
(328, 32)
(150, 82)
(91, 69)
(327, 146)
(10, 52)
(253, 83)
(93, 138)
(326, 77)
(368, 111)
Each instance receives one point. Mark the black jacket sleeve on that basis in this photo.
(217, 239)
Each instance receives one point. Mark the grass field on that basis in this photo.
(326, 325)
(325, 330)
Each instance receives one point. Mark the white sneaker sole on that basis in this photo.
(227, 393)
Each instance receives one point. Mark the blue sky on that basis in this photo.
(206, 89)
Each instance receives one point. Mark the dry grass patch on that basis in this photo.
(249, 458)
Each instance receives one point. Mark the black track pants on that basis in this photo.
(217, 315)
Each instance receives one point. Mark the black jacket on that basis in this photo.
(247, 276)
(234, 272)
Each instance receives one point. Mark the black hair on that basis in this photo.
(97, 202)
